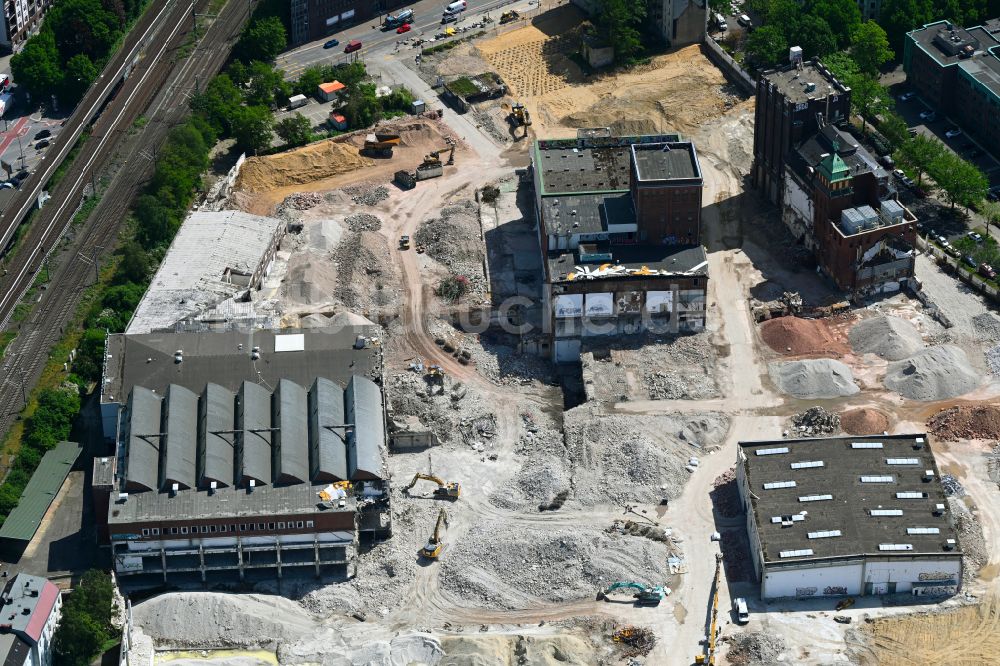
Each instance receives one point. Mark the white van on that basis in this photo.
(456, 7)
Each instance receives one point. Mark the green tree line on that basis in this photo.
(85, 626)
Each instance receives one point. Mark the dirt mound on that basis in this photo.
(966, 422)
(891, 338)
(934, 373)
(296, 167)
(791, 335)
(814, 378)
(864, 421)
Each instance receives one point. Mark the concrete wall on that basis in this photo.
(813, 580)
(862, 576)
(903, 574)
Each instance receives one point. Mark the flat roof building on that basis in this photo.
(848, 516)
(31, 606)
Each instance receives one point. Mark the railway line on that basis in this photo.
(161, 92)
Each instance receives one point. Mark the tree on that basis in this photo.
(919, 153)
(990, 210)
(262, 40)
(294, 130)
(962, 182)
(86, 620)
(784, 15)
(869, 98)
(309, 80)
(618, 22)
(38, 67)
(79, 75)
(842, 67)
(251, 127)
(157, 223)
(815, 37)
(870, 47)
(134, 266)
(218, 102)
(266, 85)
(83, 26)
(900, 16)
(766, 46)
(843, 17)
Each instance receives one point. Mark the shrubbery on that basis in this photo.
(85, 626)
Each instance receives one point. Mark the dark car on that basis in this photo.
(44, 143)
(330, 44)
(970, 262)
(44, 134)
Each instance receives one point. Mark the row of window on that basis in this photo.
(243, 527)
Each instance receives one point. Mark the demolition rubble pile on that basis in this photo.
(966, 422)
(815, 421)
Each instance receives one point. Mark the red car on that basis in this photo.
(403, 28)
(352, 46)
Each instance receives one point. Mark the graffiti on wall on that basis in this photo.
(834, 590)
(805, 591)
(935, 575)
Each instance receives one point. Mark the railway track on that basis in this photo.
(130, 160)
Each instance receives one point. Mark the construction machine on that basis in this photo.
(507, 17)
(645, 596)
(434, 545)
(445, 490)
(708, 656)
(404, 242)
(380, 145)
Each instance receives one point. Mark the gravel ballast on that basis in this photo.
(934, 373)
(891, 338)
(814, 378)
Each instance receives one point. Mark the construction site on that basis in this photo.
(582, 513)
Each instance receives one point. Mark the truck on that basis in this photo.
(297, 101)
(396, 20)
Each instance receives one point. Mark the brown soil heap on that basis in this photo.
(304, 165)
(791, 335)
(966, 422)
(864, 421)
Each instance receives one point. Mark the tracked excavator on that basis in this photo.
(434, 544)
(646, 595)
(446, 489)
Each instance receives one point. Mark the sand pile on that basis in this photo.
(864, 421)
(934, 373)
(813, 378)
(296, 167)
(310, 280)
(966, 422)
(891, 338)
(494, 649)
(792, 335)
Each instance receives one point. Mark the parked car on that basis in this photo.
(720, 21)
(352, 46)
(909, 182)
(43, 134)
(44, 143)
(906, 96)
(942, 241)
(330, 44)
(6, 185)
(993, 194)
(953, 132)
(406, 27)
(987, 271)
(969, 261)
(974, 236)
(741, 610)
(887, 161)
(928, 116)
(449, 18)
(744, 21)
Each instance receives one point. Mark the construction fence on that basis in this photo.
(730, 67)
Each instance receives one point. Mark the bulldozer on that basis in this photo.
(446, 489)
(507, 17)
(645, 596)
(434, 544)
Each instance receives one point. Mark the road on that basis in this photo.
(427, 22)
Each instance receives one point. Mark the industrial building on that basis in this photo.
(619, 231)
(835, 198)
(315, 19)
(21, 19)
(224, 486)
(847, 516)
(32, 607)
(211, 272)
(957, 72)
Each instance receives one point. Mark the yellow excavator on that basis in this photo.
(446, 489)
(434, 157)
(434, 545)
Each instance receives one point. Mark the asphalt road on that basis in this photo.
(427, 21)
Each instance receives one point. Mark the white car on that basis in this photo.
(929, 116)
(953, 132)
(744, 21)
(741, 610)
(906, 96)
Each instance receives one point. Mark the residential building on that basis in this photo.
(315, 19)
(679, 22)
(957, 72)
(834, 196)
(31, 610)
(848, 516)
(619, 230)
(21, 19)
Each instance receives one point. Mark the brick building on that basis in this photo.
(21, 19)
(957, 71)
(619, 230)
(315, 19)
(834, 196)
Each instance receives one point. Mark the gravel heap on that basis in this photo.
(369, 196)
(987, 327)
(754, 649)
(970, 536)
(454, 238)
(891, 338)
(966, 422)
(792, 335)
(508, 565)
(362, 270)
(363, 222)
(864, 421)
(993, 465)
(934, 373)
(813, 378)
(993, 360)
(816, 421)
(300, 201)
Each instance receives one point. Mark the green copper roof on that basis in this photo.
(834, 168)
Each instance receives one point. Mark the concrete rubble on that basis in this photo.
(754, 649)
(371, 195)
(815, 421)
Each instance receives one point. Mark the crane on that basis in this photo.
(445, 490)
(646, 595)
(434, 545)
(709, 656)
